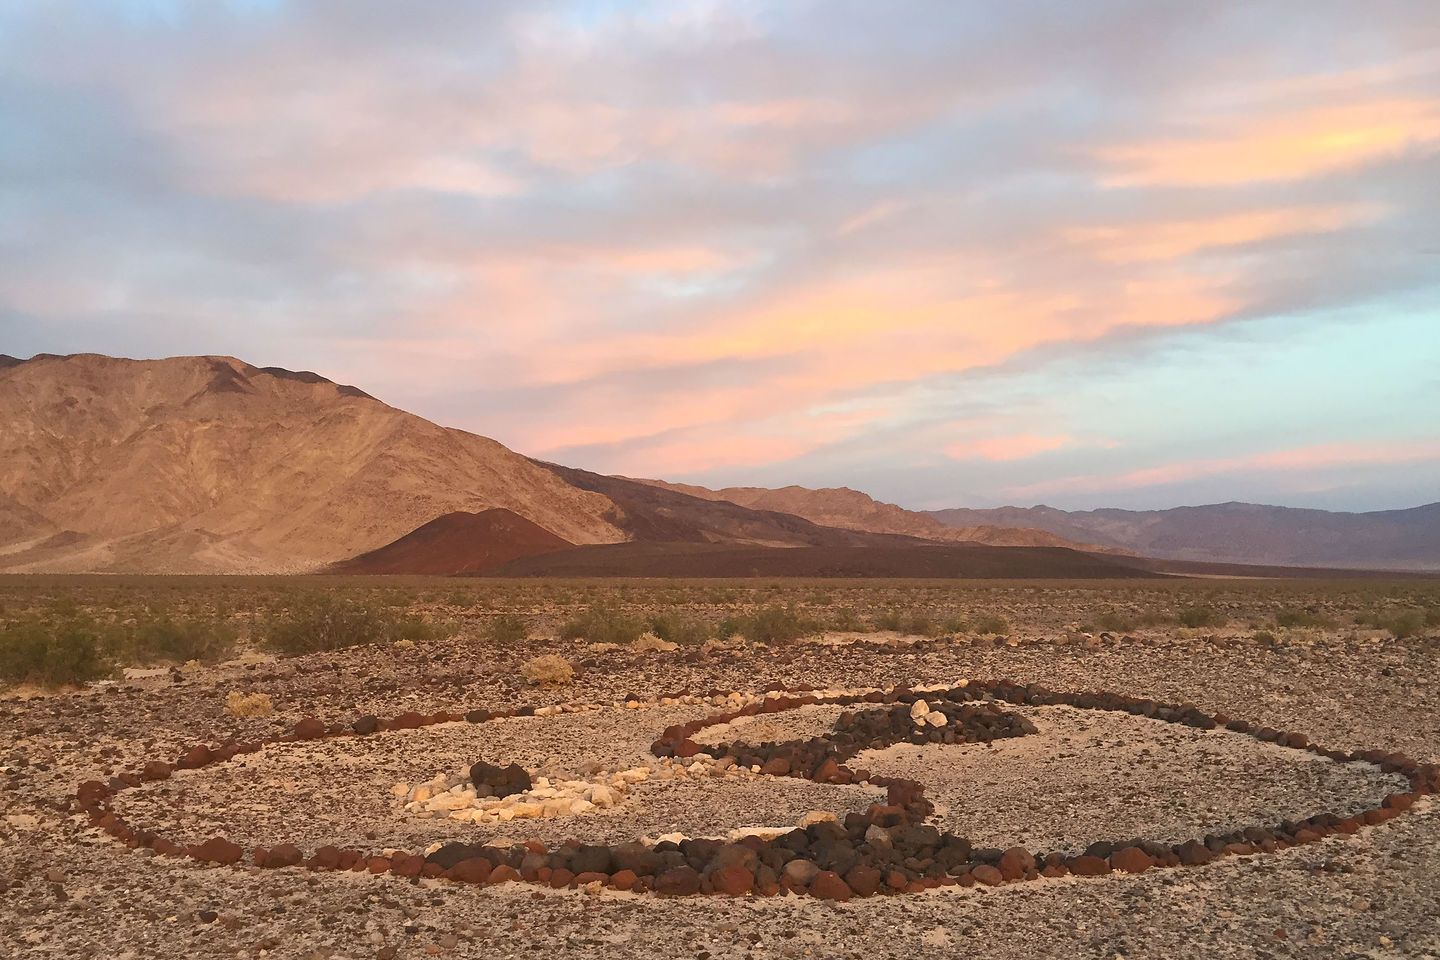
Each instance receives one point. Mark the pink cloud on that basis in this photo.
(1300, 458)
(1014, 447)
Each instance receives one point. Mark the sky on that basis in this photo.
(1132, 253)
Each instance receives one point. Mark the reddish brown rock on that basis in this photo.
(623, 879)
(678, 882)
(283, 855)
(1015, 863)
(218, 850)
(1088, 866)
(734, 880)
(988, 875)
(309, 729)
(1054, 870)
(377, 864)
(560, 878)
(1131, 860)
(863, 880)
(778, 767)
(827, 772)
(366, 725)
(406, 865)
(505, 874)
(410, 720)
(1398, 801)
(1193, 853)
(156, 770)
(197, 756)
(828, 885)
(592, 876)
(688, 748)
(328, 857)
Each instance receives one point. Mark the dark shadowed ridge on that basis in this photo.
(656, 515)
(939, 561)
(306, 376)
(458, 542)
(1245, 533)
(8, 361)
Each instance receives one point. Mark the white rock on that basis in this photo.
(447, 801)
(600, 796)
(522, 811)
(816, 816)
(582, 806)
(422, 793)
(919, 710)
(936, 719)
(400, 790)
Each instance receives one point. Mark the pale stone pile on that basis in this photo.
(453, 796)
(921, 713)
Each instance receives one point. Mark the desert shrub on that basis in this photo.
(322, 621)
(1432, 617)
(1263, 636)
(1402, 623)
(676, 628)
(990, 624)
(548, 669)
(177, 640)
(52, 653)
(907, 622)
(238, 704)
(1298, 617)
(770, 625)
(1113, 621)
(648, 642)
(507, 628)
(1200, 616)
(603, 623)
(847, 620)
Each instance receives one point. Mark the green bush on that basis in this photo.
(603, 623)
(176, 640)
(675, 628)
(507, 628)
(1296, 617)
(1263, 636)
(52, 653)
(1113, 622)
(990, 624)
(1200, 616)
(770, 625)
(1403, 624)
(323, 621)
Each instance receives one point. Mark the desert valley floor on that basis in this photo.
(1290, 655)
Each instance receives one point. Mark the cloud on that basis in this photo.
(681, 237)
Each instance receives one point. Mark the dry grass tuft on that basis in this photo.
(549, 669)
(238, 704)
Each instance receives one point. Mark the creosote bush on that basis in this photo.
(990, 625)
(676, 628)
(507, 628)
(603, 623)
(180, 641)
(1298, 617)
(319, 622)
(52, 654)
(770, 625)
(1201, 616)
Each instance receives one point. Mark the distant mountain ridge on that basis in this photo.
(1235, 532)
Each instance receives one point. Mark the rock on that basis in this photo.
(504, 874)
(406, 865)
(828, 885)
(827, 772)
(1088, 866)
(156, 770)
(623, 879)
(778, 767)
(590, 858)
(678, 882)
(284, 855)
(218, 850)
(936, 719)
(734, 880)
(1192, 853)
(499, 781)
(197, 756)
(477, 716)
(863, 880)
(814, 817)
(451, 854)
(1015, 863)
(366, 725)
(919, 710)
(800, 871)
(1131, 860)
(310, 728)
(987, 875)
(635, 857)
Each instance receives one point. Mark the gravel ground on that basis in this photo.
(70, 892)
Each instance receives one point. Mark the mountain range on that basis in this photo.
(213, 465)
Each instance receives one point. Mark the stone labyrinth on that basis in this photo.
(835, 794)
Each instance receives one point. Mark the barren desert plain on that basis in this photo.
(1175, 767)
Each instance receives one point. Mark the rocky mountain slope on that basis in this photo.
(209, 464)
(1240, 533)
(852, 510)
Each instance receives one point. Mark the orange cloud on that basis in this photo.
(1015, 447)
(1299, 458)
(1251, 149)
(1144, 242)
